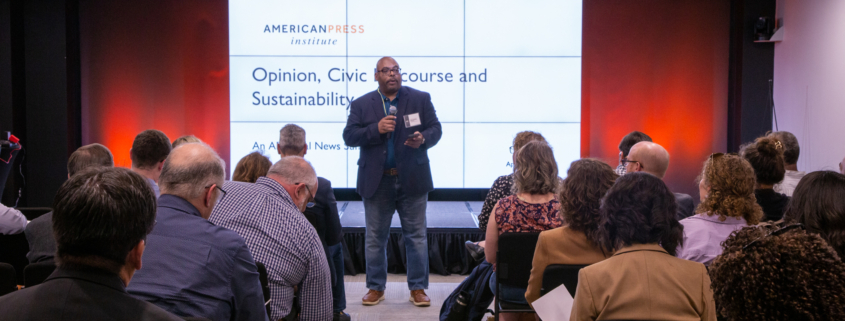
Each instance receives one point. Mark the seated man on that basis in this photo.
(149, 149)
(654, 159)
(791, 151)
(194, 268)
(100, 219)
(268, 215)
(625, 145)
(39, 232)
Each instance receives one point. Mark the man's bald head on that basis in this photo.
(385, 61)
(652, 158)
(190, 169)
(293, 170)
(390, 81)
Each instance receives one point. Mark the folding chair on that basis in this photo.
(557, 274)
(513, 268)
(36, 273)
(265, 285)
(7, 279)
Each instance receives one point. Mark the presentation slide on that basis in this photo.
(493, 68)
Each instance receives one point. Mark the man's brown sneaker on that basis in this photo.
(419, 298)
(373, 297)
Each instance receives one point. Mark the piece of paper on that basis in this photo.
(412, 120)
(555, 305)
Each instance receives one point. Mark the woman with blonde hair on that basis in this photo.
(726, 185)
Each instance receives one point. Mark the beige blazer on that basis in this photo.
(643, 282)
(560, 246)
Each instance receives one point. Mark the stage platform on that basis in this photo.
(449, 224)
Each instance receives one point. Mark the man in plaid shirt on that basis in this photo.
(268, 215)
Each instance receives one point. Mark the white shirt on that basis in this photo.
(12, 221)
(790, 180)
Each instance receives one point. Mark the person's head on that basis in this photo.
(819, 203)
(726, 186)
(195, 173)
(90, 155)
(587, 181)
(388, 75)
(535, 169)
(297, 177)
(101, 217)
(148, 152)
(842, 166)
(639, 209)
(788, 275)
(292, 141)
(648, 157)
(630, 140)
(185, 140)
(791, 150)
(251, 167)
(766, 158)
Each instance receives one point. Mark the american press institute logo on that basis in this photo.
(320, 35)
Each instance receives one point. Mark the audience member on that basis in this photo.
(12, 221)
(533, 208)
(577, 241)
(39, 232)
(322, 215)
(185, 140)
(771, 272)
(842, 166)
(100, 219)
(193, 268)
(819, 204)
(625, 145)
(643, 280)
(268, 215)
(654, 159)
(148, 152)
(726, 186)
(251, 167)
(502, 187)
(766, 157)
(791, 150)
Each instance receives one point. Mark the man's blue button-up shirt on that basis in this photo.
(193, 268)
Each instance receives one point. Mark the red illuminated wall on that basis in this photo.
(658, 66)
(154, 64)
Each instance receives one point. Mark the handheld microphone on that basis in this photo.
(391, 112)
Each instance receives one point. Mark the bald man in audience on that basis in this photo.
(652, 158)
(193, 268)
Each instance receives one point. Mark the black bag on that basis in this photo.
(476, 285)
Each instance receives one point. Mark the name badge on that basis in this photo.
(412, 120)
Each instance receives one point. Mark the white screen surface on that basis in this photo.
(493, 69)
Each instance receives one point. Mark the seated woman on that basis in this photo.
(819, 203)
(251, 167)
(577, 241)
(643, 280)
(775, 272)
(502, 187)
(534, 207)
(766, 157)
(726, 186)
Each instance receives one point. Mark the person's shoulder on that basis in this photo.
(410, 91)
(365, 98)
(42, 222)
(324, 184)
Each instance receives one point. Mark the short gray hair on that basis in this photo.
(291, 139)
(791, 150)
(187, 176)
(293, 170)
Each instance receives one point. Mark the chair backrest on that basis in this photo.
(557, 274)
(514, 258)
(36, 273)
(7, 279)
(262, 277)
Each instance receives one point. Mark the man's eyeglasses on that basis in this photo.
(774, 233)
(222, 192)
(626, 161)
(386, 70)
(310, 202)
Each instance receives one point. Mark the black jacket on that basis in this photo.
(412, 163)
(323, 215)
(73, 294)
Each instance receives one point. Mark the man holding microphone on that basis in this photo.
(394, 126)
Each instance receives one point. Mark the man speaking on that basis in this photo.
(394, 126)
